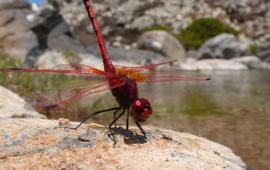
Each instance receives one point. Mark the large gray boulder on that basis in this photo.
(18, 40)
(26, 31)
(264, 52)
(224, 46)
(252, 62)
(164, 43)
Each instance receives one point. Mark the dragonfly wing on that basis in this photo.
(153, 73)
(131, 70)
(75, 89)
(62, 68)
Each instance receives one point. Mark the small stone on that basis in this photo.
(167, 136)
(64, 122)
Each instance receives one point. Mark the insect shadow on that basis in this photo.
(130, 136)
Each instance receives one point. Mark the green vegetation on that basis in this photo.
(198, 32)
(71, 56)
(69, 53)
(253, 48)
(28, 85)
(201, 30)
(157, 27)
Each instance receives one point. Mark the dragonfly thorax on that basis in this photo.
(126, 93)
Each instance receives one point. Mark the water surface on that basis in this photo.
(232, 109)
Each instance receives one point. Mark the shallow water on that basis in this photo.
(232, 109)
(219, 96)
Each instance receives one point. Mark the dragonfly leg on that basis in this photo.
(144, 133)
(101, 111)
(127, 124)
(110, 126)
(114, 114)
(127, 121)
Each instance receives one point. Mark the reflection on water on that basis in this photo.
(232, 109)
(178, 100)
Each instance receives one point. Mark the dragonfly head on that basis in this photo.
(140, 110)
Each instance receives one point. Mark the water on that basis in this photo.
(219, 96)
(232, 109)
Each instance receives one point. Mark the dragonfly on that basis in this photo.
(121, 80)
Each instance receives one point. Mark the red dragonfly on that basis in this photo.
(121, 80)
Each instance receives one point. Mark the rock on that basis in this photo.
(21, 45)
(91, 60)
(264, 54)
(64, 42)
(264, 51)
(3, 33)
(14, 4)
(18, 21)
(252, 62)
(164, 43)
(252, 17)
(12, 105)
(19, 41)
(48, 27)
(213, 64)
(140, 57)
(49, 59)
(59, 37)
(191, 54)
(45, 143)
(6, 17)
(142, 23)
(222, 46)
(26, 33)
(267, 59)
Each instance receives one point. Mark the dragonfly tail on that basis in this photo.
(108, 66)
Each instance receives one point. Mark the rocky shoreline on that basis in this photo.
(60, 32)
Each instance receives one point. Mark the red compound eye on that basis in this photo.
(140, 110)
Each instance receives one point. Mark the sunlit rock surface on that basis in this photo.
(12, 105)
(39, 144)
(214, 64)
